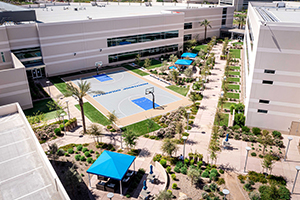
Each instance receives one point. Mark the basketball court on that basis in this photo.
(129, 95)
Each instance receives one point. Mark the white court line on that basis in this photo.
(14, 142)
(21, 174)
(17, 157)
(33, 192)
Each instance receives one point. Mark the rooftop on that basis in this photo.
(84, 11)
(9, 7)
(26, 171)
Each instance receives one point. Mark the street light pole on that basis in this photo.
(67, 102)
(184, 139)
(248, 149)
(48, 84)
(63, 116)
(187, 117)
(297, 168)
(287, 148)
(120, 127)
(225, 192)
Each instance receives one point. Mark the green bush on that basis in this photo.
(214, 171)
(199, 164)
(91, 151)
(127, 195)
(174, 186)
(256, 131)
(261, 156)
(179, 164)
(79, 147)
(84, 149)
(90, 160)
(213, 176)
(173, 176)
(177, 169)
(163, 162)
(66, 154)
(168, 169)
(245, 129)
(157, 157)
(70, 151)
(57, 131)
(192, 162)
(60, 152)
(253, 154)
(205, 174)
(276, 134)
(87, 154)
(254, 195)
(183, 170)
(278, 180)
(213, 187)
(248, 187)
(221, 171)
(82, 158)
(284, 193)
(221, 181)
(206, 188)
(77, 157)
(61, 127)
(186, 161)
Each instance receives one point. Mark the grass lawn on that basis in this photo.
(141, 128)
(43, 108)
(235, 73)
(224, 121)
(233, 95)
(59, 84)
(135, 70)
(234, 67)
(234, 87)
(181, 90)
(227, 105)
(233, 79)
(93, 114)
(236, 53)
(154, 64)
(199, 47)
(241, 43)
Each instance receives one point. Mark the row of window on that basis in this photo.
(187, 37)
(224, 14)
(145, 52)
(141, 38)
(188, 25)
(263, 101)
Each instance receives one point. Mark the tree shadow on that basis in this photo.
(199, 184)
(191, 142)
(145, 153)
(227, 167)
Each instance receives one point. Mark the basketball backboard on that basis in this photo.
(98, 64)
(149, 90)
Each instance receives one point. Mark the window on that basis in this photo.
(224, 14)
(143, 53)
(224, 11)
(267, 82)
(2, 55)
(223, 21)
(188, 25)
(141, 38)
(187, 37)
(269, 71)
(264, 101)
(262, 111)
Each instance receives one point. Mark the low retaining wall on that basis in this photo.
(164, 173)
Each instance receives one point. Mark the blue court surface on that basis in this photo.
(144, 103)
(102, 77)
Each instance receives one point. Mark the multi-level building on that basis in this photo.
(272, 69)
(56, 40)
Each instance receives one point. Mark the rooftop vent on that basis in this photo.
(280, 5)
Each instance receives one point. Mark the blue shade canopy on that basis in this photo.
(111, 165)
(190, 55)
(183, 62)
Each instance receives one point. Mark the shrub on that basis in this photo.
(163, 162)
(61, 127)
(90, 160)
(66, 154)
(261, 156)
(127, 195)
(192, 162)
(214, 171)
(248, 187)
(221, 181)
(179, 164)
(174, 186)
(245, 129)
(253, 154)
(157, 157)
(82, 158)
(205, 174)
(84, 149)
(173, 176)
(221, 171)
(183, 170)
(213, 176)
(177, 169)
(254, 195)
(276, 134)
(206, 188)
(278, 180)
(70, 151)
(199, 164)
(57, 131)
(213, 187)
(87, 154)
(168, 169)
(170, 191)
(256, 131)
(284, 193)
(146, 135)
(186, 161)
(77, 157)
(91, 151)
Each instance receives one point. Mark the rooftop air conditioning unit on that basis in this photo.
(280, 5)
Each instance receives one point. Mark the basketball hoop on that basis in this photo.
(151, 91)
(98, 65)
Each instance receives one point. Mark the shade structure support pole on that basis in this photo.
(134, 166)
(121, 192)
(89, 181)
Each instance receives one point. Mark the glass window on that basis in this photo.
(262, 111)
(188, 25)
(3, 58)
(224, 11)
(223, 21)
(269, 71)
(187, 37)
(264, 101)
(267, 82)
(141, 38)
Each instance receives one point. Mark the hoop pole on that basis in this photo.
(153, 100)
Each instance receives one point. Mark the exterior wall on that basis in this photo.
(5, 49)
(213, 14)
(14, 85)
(59, 41)
(277, 48)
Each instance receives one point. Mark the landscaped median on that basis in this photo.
(180, 90)
(135, 70)
(59, 84)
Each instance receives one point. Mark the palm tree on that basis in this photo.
(206, 24)
(241, 21)
(83, 88)
(96, 131)
(112, 117)
(130, 138)
(179, 128)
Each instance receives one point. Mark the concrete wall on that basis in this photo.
(14, 85)
(5, 48)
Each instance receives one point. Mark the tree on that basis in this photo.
(147, 63)
(96, 131)
(73, 179)
(179, 128)
(265, 139)
(83, 88)
(112, 118)
(206, 24)
(164, 195)
(214, 145)
(173, 59)
(56, 106)
(174, 75)
(193, 98)
(193, 174)
(219, 116)
(137, 59)
(169, 147)
(241, 21)
(188, 72)
(222, 101)
(53, 149)
(130, 138)
(239, 119)
(268, 162)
